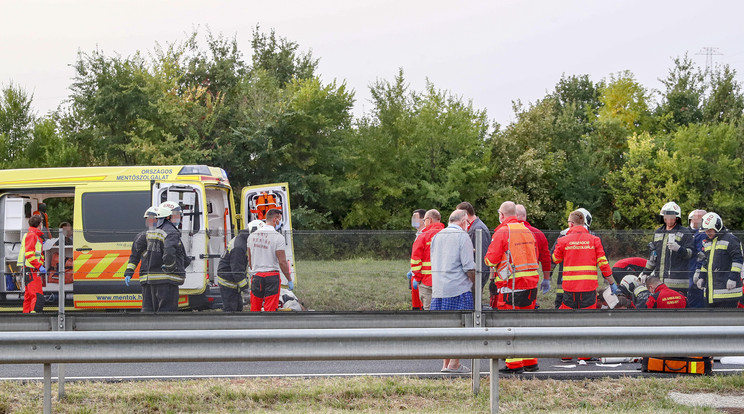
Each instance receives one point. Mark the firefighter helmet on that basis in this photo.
(172, 205)
(151, 212)
(712, 221)
(587, 216)
(164, 211)
(671, 209)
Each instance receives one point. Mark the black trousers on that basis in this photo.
(164, 297)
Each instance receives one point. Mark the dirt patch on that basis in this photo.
(732, 403)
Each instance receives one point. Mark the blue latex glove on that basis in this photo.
(613, 288)
(127, 278)
(415, 284)
(42, 269)
(545, 286)
(290, 285)
(409, 275)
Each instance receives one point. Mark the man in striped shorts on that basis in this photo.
(452, 273)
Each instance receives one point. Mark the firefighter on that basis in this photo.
(266, 257)
(671, 250)
(166, 258)
(695, 297)
(232, 272)
(720, 274)
(581, 253)
(139, 247)
(513, 253)
(31, 258)
(633, 289)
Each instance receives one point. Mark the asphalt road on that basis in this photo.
(549, 368)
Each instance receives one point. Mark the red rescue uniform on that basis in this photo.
(581, 253)
(513, 252)
(32, 259)
(421, 253)
(666, 298)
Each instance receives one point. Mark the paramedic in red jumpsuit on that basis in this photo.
(33, 260)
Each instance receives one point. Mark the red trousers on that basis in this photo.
(265, 288)
(513, 363)
(33, 298)
(415, 299)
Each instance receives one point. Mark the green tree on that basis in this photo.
(16, 122)
(682, 100)
(725, 103)
(415, 150)
(625, 100)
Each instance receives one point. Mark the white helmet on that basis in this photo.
(151, 212)
(689, 216)
(164, 211)
(671, 209)
(712, 221)
(172, 205)
(255, 225)
(587, 216)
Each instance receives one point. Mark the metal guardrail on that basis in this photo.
(188, 337)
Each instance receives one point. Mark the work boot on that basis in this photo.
(531, 368)
(506, 370)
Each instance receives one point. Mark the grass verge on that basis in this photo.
(368, 394)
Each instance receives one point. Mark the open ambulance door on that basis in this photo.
(193, 229)
(257, 200)
(106, 222)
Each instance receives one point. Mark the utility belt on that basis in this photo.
(519, 298)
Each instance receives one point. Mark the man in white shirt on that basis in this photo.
(266, 256)
(453, 273)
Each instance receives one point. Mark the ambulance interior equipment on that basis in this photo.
(15, 210)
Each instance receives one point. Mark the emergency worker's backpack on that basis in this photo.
(678, 365)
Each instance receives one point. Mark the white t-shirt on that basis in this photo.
(263, 245)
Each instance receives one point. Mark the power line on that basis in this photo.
(709, 52)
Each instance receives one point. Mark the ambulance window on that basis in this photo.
(113, 216)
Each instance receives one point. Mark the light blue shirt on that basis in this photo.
(451, 258)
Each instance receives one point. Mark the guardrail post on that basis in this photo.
(47, 388)
(61, 324)
(494, 368)
(477, 316)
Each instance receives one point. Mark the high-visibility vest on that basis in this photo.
(264, 203)
(516, 249)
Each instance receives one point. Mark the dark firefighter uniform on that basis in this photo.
(672, 267)
(232, 272)
(139, 250)
(723, 262)
(166, 266)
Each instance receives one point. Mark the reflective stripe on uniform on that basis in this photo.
(161, 276)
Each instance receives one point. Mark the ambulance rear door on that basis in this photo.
(106, 220)
(193, 227)
(257, 200)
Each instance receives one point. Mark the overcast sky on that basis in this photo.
(492, 52)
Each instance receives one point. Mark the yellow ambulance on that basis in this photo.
(106, 205)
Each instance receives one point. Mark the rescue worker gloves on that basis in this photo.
(700, 283)
(127, 278)
(290, 285)
(545, 286)
(415, 284)
(696, 277)
(731, 284)
(613, 288)
(673, 245)
(409, 275)
(42, 269)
